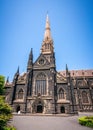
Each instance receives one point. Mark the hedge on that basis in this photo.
(86, 121)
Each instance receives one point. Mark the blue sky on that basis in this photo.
(22, 25)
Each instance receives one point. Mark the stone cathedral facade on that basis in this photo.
(42, 89)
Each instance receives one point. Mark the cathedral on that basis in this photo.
(43, 89)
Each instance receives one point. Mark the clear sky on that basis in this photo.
(22, 25)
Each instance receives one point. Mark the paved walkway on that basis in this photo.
(49, 122)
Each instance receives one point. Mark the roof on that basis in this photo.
(22, 78)
(78, 73)
(8, 84)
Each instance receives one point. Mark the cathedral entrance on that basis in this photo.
(18, 109)
(38, 106)
(62, 109)
(39, 109)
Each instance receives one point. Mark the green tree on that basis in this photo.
(2, 81)
(5, 109)
(5, 113)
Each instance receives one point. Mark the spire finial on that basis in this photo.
(66, 69)
(18, 70)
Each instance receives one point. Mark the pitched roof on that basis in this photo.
(78, 73)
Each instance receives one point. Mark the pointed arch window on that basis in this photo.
(40, 84)
(20, 94)
(84, 97)
(61, 94)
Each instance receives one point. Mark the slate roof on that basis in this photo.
(78, 73)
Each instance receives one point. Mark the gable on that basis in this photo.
(41, 63)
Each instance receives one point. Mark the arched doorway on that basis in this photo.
(62, 109)
(39, 108)
(18, 109)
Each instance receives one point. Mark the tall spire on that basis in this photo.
(47, 34)
(47, 45)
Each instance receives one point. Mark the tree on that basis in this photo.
(5, 113)
(2, 81)
(5, 109)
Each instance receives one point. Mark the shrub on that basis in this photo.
(5, 109)
(9, 128)
(86, 121)
(5, 115)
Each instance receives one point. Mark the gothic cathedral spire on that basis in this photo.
(47, 45)
(47, 29)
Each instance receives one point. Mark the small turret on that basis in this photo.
(30, 60)
(16, 75)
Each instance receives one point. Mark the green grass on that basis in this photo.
(86, 121)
